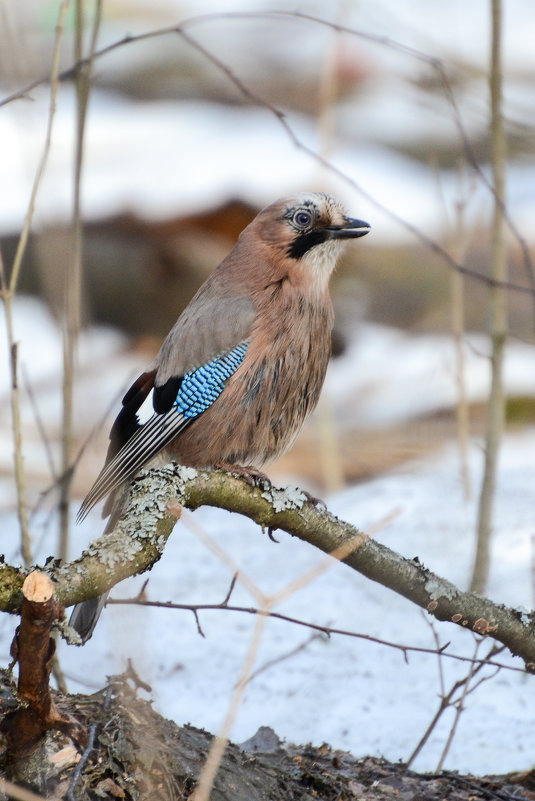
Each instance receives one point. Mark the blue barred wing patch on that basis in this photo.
(201, 387)
(198, 391)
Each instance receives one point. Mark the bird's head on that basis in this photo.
(308, 231)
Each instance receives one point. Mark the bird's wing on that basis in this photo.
(180, 397)
(210, 325)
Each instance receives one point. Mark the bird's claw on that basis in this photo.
(253, 476)
(313, 500)
(270, 534)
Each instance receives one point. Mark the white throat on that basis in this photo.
(320, 261)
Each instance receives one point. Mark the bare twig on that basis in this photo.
(226, 599)
(329, 457)
(55, 79)
(39, 422)
(283, 657)
(496, 404)
(8, 293)
(22, 509)
(73, 282)
(458, 238)
(449, 699)
(467, 689)
(434, 63)
(440, 650)
(83, 761)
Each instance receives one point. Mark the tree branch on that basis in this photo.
(155, 501)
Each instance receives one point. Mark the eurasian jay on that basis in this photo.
(245, 362)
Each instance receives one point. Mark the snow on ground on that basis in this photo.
(363, 391)
(351, 693)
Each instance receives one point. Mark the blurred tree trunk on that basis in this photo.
(496, 406)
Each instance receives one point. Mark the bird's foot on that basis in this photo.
(253, 476)
(312, 499)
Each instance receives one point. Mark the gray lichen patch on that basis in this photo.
(183, 473)
(525, 616)
(287, 498)
(68, 633)
(438, 588)
(128, 548)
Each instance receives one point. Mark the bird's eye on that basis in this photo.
(302, 219)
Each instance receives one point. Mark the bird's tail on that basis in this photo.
(84, 616)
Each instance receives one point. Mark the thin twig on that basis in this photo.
(283, 657)
(328, 450)
(55, 80)
(39, 422)
(8, 293)
(459, 708)
(22, 508)
(73, 282)
(458, 330)
(439, 650)
(433, 62)
(449, 699)
(226, 599)
(83, 760)
(327, 630)
(466, 691)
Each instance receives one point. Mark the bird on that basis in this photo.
(243, 365)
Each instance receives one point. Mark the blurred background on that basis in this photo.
(190, 132)
(182, 147)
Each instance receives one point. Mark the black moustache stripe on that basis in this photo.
(304, 242)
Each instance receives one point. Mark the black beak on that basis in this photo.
(350, 229)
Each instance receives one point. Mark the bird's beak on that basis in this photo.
(350, 229)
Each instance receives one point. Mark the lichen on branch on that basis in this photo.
(154, 503)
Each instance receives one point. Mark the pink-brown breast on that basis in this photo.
(266, 401)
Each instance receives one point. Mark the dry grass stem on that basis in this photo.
(8, 293)
(73, 279)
